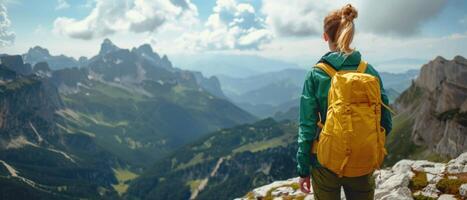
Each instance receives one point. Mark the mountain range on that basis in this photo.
(80, 132)
(39, 54)
(232, 65)
(271, 93)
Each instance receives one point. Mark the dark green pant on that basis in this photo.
(327, 185)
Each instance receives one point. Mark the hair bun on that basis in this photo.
(349, 13)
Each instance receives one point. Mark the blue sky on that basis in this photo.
(279, 29)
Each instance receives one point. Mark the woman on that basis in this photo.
(338, 32)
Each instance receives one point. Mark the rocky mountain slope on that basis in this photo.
(408, 179)
(432, 113)
(37, 159)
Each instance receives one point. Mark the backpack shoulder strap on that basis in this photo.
(326, 68)
(362, 66)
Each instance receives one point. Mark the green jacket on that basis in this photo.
(314, 99)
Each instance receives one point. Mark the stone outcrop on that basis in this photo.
(405, 180)
(437, 103)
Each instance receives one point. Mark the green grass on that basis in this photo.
(123, 175)
(283, 140)
(19, 83)
(194, 184)
(399, 142)
(294, 186)
(450, 186)
(116, 92)
(197, 159)
(418, 182)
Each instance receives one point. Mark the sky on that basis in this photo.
(288, 30)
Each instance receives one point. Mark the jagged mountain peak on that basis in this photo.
(166, 62)
(460, 58)
(107, 46)
(147, 52)
(39, 51)
(439, 59)
(165, 58)
(146, 48)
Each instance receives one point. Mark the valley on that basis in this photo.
(111, 118)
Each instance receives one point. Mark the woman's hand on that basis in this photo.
(305, 184)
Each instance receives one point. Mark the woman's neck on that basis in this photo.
(332, 46)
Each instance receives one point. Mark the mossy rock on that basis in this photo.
(419, 181)
(450, 186)
(421, 197)
(294, 186)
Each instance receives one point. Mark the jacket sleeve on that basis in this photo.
(386, 119)
(307, 125)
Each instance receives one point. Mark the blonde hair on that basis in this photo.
(339, 26)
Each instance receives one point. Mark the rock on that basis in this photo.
(262, 191)
(458, 165)
(402, 193)
(428, 167)
(430, 191)
(282, 191)
(439, 93)
(432, 178)
(395, 181)
(463, 190)
(403, 166)
(447, 197)
(391, 183)
(381, 176)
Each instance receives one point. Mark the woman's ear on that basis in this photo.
(325, 37)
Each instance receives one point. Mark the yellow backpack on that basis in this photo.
(351, 142)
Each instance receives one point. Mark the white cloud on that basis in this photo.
(7, 37)
(302, 18)
(296, 18)
(232, 25)
(398, 17)
(375, 48)
(108, 17)
(62, 4)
